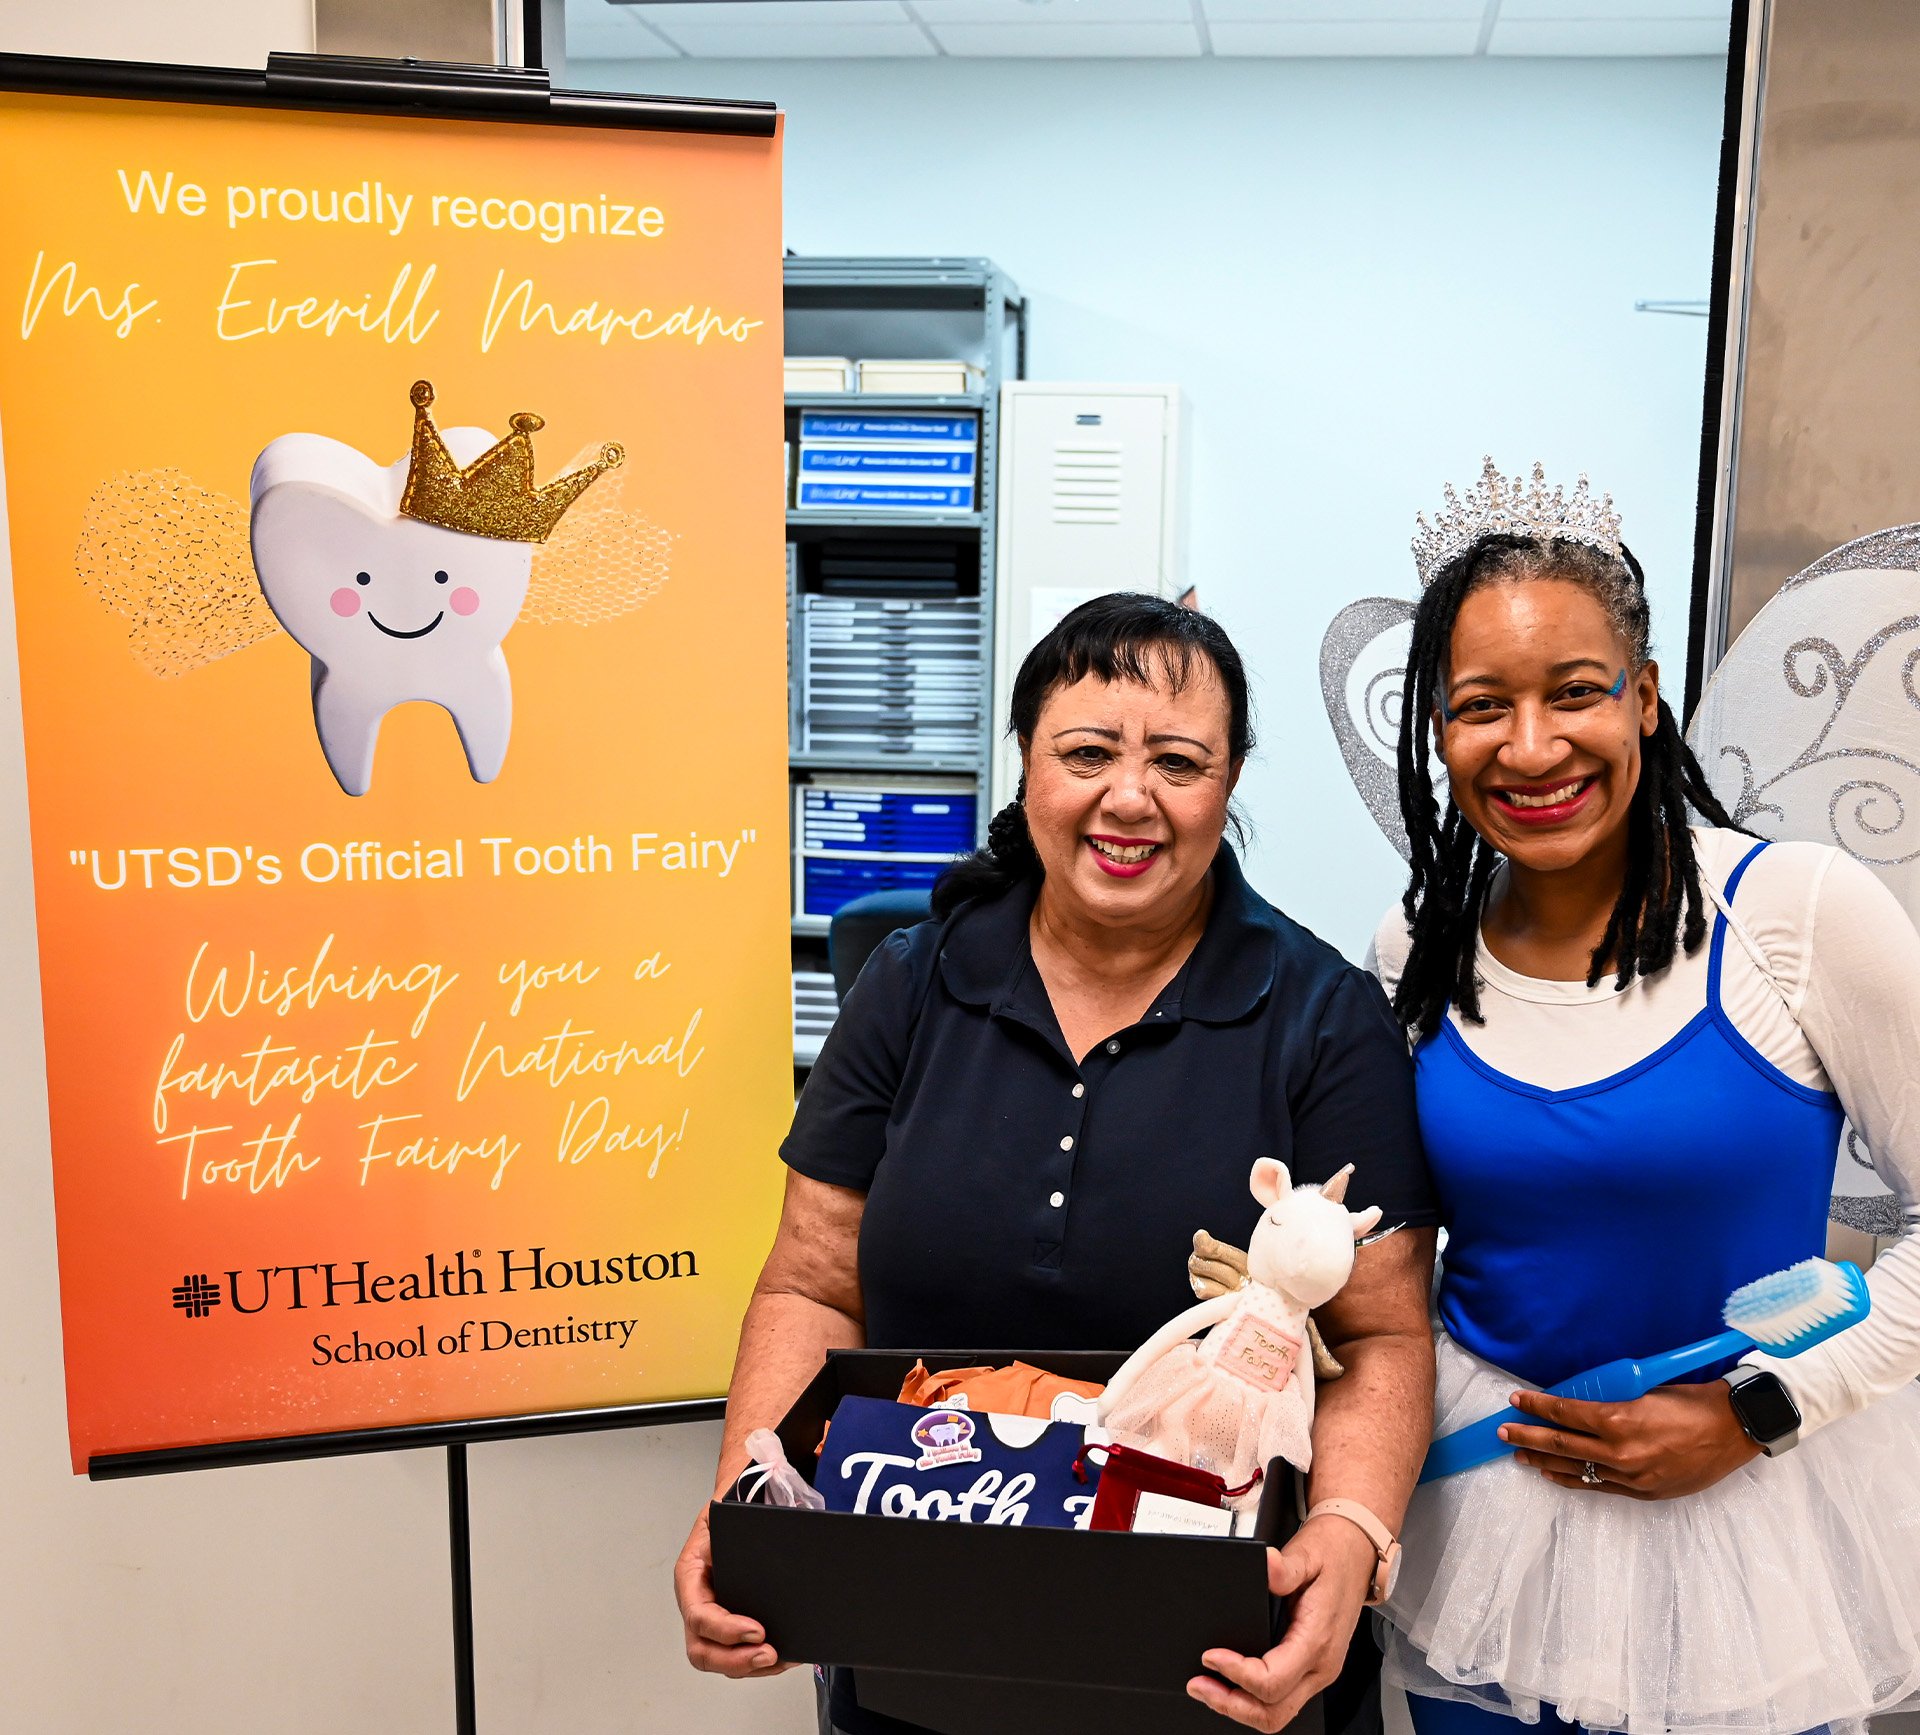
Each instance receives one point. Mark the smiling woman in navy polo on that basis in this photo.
(1019, 1197)
(1029, 1103)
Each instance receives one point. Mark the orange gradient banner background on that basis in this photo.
(485, 1128)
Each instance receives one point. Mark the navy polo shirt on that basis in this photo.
(1020, 1199)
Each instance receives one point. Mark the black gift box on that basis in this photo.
(994, 1630)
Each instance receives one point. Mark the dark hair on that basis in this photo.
(1127, 636)
(1660, 904)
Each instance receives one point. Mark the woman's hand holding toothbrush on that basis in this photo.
(1676, 1440)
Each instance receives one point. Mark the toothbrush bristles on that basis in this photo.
(1794, 1308)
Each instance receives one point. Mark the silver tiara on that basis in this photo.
(1495, 506)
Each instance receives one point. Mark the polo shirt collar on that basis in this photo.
(986, 959)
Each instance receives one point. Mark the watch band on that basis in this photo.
(1386, 1546)
(1742, 1375)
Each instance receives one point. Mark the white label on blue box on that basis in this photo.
(893, 460)
(960, 429)
(908, 497)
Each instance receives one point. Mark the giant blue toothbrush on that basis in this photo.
(1783, 1314)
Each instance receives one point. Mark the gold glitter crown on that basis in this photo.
(1497, 506)
(494, 495)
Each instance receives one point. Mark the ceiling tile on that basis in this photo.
(1610, 36)
(786, 14)
(1615, 11)
(1024, 12)
(1069, 41)
(597, 31)
(903, 41)
(1345, 11)
(1283, 39)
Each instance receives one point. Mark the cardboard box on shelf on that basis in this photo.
(969, 1628)
(929, 378)
(819, 373)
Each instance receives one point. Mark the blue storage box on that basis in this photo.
(873, 495)
(887, 463)
(857, 427)
(828, 881)
(901, 822)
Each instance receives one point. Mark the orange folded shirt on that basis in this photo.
(1014, 1390)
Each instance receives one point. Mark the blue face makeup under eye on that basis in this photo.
(1448, 714)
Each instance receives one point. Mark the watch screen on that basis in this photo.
(1765, 1408)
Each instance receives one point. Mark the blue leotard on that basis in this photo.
(1614, 1218)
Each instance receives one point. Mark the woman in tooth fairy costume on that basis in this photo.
(1634, 1040)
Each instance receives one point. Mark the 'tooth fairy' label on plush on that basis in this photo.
(401, 581)
(897, 1461)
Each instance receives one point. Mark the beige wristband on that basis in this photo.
(1386, 1547)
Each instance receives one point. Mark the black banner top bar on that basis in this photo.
(417, 87)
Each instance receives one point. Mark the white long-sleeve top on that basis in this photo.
(1842, 1013)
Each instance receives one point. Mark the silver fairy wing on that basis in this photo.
(1363, 672)
(1810, 729)
(1363, 677)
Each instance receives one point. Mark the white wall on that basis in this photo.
(1341, 263)
(305, 1599)
(1365, 274)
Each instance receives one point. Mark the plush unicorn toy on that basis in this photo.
(1243, 1394)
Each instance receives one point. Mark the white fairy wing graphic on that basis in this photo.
(1810, 729)
(173, 560)
(1363, 677)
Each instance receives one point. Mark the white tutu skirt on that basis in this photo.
(1784, 1597)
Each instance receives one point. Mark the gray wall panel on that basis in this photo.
(1828, 445)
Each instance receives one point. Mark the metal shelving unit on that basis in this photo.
(920, 308)
(818, 521)
(912, 764)
(884, 400)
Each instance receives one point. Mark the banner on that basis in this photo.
(394, 511)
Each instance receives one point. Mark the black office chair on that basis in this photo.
(861, 924)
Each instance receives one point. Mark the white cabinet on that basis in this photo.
(1091, 479)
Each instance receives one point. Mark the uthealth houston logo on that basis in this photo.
(356, 1283)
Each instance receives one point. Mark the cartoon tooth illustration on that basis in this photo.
(171, 561)
(401, 581)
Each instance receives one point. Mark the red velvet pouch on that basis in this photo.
(1128, 1473)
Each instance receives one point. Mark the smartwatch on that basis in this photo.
(1764, 1409)
(1385, 1548)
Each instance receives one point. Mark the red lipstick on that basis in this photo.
(1553, 813)
(1124, 870)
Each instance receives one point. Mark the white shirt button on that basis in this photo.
(1066, 1144)
(1056, 1200)
(1079, 1090)
(1113, 1045)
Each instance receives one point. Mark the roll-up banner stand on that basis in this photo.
(393, 501)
